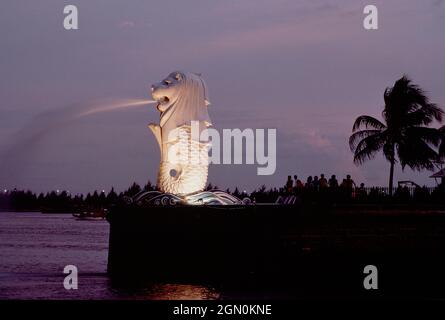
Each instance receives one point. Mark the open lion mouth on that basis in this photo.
(162, 100)
(165, 100)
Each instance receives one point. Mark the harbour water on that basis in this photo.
(35, 248)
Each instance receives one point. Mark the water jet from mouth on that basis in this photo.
(123, 104)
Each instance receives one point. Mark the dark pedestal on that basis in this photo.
(309, 251)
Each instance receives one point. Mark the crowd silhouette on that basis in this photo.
(314, 183)
(323, 190)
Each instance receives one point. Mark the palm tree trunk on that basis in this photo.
(391, 176)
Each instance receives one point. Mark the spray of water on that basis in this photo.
(129, 103)
(24, 145)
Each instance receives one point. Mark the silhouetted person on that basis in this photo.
(323, 182)
(348, 186)
(289, 184)
(349, 182)
(295, 181)
(361, 191)
(333, 183)
(309, 184)
(299, 185)
(316, 183)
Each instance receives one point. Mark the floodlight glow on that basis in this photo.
(182, 99)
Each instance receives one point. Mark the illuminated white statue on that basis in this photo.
(182, 100)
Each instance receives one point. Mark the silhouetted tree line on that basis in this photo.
(64, 202)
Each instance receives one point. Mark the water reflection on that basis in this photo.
(169, 291)
(35, 247)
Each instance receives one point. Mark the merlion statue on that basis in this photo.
(182, 101)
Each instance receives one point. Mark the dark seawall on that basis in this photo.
(311, 252)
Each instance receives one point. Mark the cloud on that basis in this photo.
(277, 36)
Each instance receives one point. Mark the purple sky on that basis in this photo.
(306, 68)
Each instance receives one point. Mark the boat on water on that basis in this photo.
(91, 215)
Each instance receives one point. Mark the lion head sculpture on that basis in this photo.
(182, 99)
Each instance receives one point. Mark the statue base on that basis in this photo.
(157, 198)
(306, 250)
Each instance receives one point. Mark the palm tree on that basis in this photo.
(403, 133)
(442, 145)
